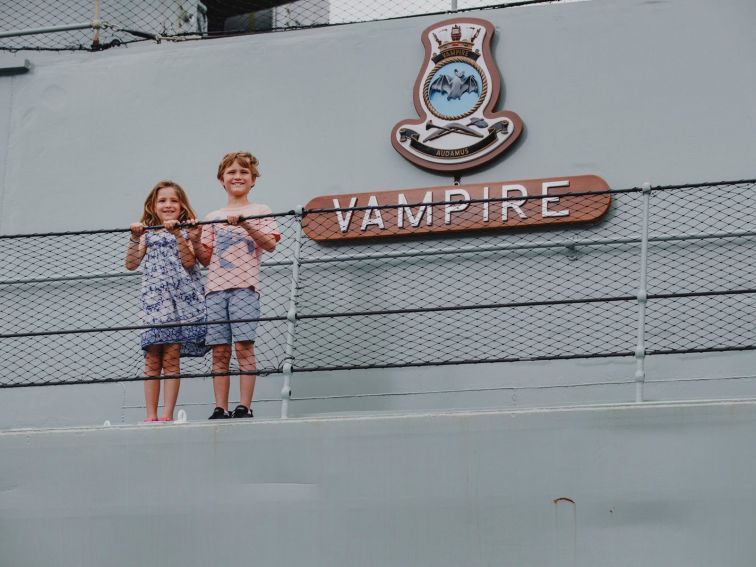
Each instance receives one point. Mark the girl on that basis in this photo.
(171, 292)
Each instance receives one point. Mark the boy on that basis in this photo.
(232, 251)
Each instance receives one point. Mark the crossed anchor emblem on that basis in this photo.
(454, 128)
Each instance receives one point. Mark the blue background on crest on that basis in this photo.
(461, 105)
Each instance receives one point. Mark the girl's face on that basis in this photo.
(167, 204)
(237, 179)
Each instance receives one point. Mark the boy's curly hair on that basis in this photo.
(245, 159)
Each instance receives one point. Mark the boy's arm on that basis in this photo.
(264, 240)
(262, 230)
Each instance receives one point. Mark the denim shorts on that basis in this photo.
(232, 305)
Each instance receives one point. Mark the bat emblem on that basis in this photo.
(454, 87)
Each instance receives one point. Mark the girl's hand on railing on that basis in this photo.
(194, 231)
(172, 226)
(137, 230)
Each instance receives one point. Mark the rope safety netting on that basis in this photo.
(95, 25)
(70, 311)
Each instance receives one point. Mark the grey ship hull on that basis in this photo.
(507, 464)
(653, 484)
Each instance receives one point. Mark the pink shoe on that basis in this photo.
(150, 419)
(164, 419)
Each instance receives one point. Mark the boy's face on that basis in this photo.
(237, 180)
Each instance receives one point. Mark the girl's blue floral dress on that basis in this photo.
(171, 294)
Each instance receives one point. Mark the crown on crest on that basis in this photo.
(455, 40)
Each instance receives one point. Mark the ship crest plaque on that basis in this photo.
(454, 94)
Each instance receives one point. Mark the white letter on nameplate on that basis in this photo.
(545, 212)
(450, 208)
(514, 205)
(344, 222)
(423, 210)
(366, 220)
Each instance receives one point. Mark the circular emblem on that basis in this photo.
(455, 88)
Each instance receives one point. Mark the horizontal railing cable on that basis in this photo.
(139, 378)
(464, 361)
(136, 327)
(147, 227)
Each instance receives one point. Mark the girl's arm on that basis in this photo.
(136, 247)
(185, 250)
(202, 252)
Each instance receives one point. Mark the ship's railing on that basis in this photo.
(667, 270)
(93, 25)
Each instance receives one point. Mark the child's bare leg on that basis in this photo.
(153, 362)
(221, 361)
(171, 367)
(245, 356)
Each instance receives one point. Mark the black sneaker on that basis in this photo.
(220, 413)
(242, 411)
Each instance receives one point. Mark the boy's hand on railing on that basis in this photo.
(247, 224)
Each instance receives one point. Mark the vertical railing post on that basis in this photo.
(291, 315)
(642, 296)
